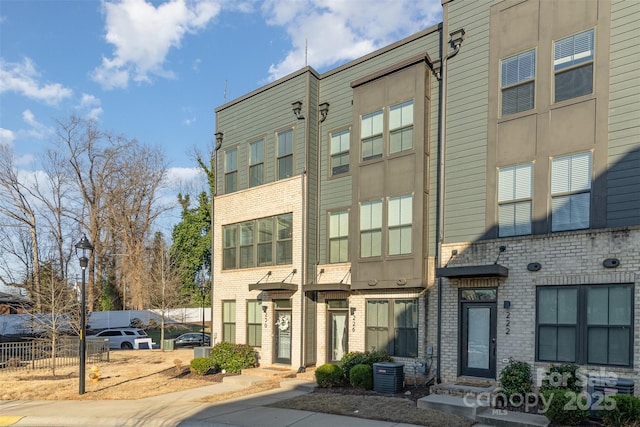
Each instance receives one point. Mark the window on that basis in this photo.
(254, 323)
(229, 321)
(573, 66)
(371, 229)
(401, 127)
(518, 82)
(256, 163)
(400, 219)
(570, 192)
(340, 143)
(371, 135)
(585, 324)
(231, 170)
(514, 200)
(339, 236)
(284, 243)
(251, 243)
(392, 325)
(285, 154)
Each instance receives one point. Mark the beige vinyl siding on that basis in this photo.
(467, 101)
(623, 178)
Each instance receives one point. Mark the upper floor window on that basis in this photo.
(570, 192)
(573, 66)
(340, 143)
(401, 127)
(371, 228)
(285, 154)
(339, 236)
(514, 200)
(256, 163)
(518, 82)
(371, 135)
(400, 224)
(253, 243)
(231, 170)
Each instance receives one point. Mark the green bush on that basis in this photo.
(625, 413)
(565, 407)
(561, 377)
(516, 379)
(351, 359)
(202, 365)
(361, 376)
(233, 358)
(329, 375)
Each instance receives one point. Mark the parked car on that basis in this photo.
(120, 338)
(192, 339)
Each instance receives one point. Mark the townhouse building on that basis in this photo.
(464, 196)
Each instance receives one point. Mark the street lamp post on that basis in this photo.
(85, 248)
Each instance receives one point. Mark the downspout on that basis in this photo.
(303, 181)
(219, 135)
(442, 146)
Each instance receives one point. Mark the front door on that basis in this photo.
(478, 339)
(283, 337)
(338, 339)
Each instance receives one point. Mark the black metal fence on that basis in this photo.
(39, 353)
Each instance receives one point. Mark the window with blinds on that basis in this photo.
(573, 66)
(515, 191)
(518, 82)
(570, 192)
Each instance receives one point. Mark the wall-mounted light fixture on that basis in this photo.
(219, 136)
(611, 263)
(534, 266)
(401, 281)
(352, 310)
(456, 37)
(323, 110)
(297, 109)
(264, 309)
(506, 304)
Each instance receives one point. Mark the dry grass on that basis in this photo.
(137, 374)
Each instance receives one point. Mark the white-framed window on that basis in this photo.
(371, 135)
(401, 127)
(340, 143)
(371, 228)
(573, 66)
(570, 192)
(231, 170)
(339, 236)
(517, 84)
(285, 154)
(400, 220)
(515, 191)
(256, 163)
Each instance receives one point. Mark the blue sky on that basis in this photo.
(156, 70)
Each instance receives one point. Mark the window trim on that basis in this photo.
(573, 67)
(582, 324)
(280, 156)
(568, 194)
(519, 83)
(229, 173)
(373, 136)
(400, 225)
(255, 325)
(254, 165)
(371, 230)
(339, 238)
(331, 168)
(402, 128)
(232, 325)
(516, 200)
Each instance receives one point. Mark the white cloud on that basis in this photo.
(143, 34)
(91, 105)
(23, 78)
(36, 129)
(334, 31)
(177, 177)
(6, 137)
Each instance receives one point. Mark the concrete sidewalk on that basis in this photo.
(182, 409)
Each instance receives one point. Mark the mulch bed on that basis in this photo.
(408, 392)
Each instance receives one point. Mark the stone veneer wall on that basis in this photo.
(569, 258)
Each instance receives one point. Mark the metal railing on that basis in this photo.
(39, 353)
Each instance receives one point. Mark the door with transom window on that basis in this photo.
(282, 336)
(478, 332)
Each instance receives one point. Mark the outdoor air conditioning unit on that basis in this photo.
(600, 386)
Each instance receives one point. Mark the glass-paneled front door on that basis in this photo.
(478, 339)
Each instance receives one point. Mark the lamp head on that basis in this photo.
(83, 251)
(297, 109)
(219, 136)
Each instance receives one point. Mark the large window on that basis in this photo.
(251, 243)
(371, 229)
(590, 324)
(339, 236)
(256, 163)
(401, 127)
(254, 323)
(371, 135)
(573, 66)
(514, 200)
(231, 170)
(518, 82)
(285, 154)
(340, 143)
(570, 192)
(400, 218)
(229, 321)
(392, 325)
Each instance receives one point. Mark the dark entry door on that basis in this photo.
(478, 343)
(283, 337)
